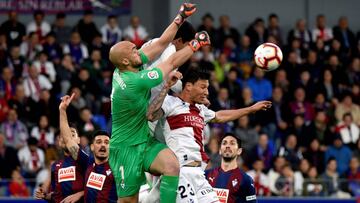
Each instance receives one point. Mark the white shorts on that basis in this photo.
(194, 188)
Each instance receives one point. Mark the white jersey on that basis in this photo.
(184, 128)
(156, 127)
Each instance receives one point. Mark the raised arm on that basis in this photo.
(154, 111)
(180, 57)
(224, 116)
(65, 131)
(155, 48)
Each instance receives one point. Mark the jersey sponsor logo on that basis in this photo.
(96, 181)
(108, 172)
(251, 197)
(194, 121)
(67, 174)
(222, 194)
(153, 75)
(211, 179)
(206, 191)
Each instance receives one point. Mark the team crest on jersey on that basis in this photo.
(153, 75)
(96, 181)
(222, 194)
(234, 182)
(67, 174)
(108, 172)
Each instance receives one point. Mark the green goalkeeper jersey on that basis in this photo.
(129, 103)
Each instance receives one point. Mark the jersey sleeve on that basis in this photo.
(83, 160)
(167, 105)
(144, 58)
(208, 113)
(52, 178)
(147, 79)
(248, 190)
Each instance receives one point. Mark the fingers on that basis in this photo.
(72, 96)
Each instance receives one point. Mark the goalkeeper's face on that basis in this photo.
(100, 147)
(229, 149)
(134, 57)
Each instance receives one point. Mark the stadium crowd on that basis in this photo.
(306, 144)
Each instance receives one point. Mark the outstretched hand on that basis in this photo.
(173, 78)
(261, 105)
(186, 10)
(65, 101)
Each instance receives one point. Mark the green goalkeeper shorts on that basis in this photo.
(128, 164)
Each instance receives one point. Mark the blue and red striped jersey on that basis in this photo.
(240, 186)
(67, 176)
(100, 184)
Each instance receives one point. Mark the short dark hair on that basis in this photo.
(111, 16)
(99, 133)
(186, 32)
(195, 74)
(32, 141)
(88, 12)
(238, 140)
(330, 159)
(207, 15)
(39, 12)
(60, 15)
(273, 15)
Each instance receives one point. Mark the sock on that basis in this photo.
(168, 189)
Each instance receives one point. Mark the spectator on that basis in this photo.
(274, 29)
(65, 71)
(281, 81)
(88, 125)
(230, 49)
(135, 32)
(39, 25)
(62, 32)
(16, 62)
(290, 151)
(261, 182)
(17, 185)
(264, 151)
(3, 49)
(8, 159)
(353, 177)
(355, 90)
(260, 86)
(347, 106)
(341, 153)
(348, 131)
(256, 32)
(319, 128)
(274, 173)
(15, 30)
(245, 55)
(226, 30)
(313, 186)
(15, 131)
(86, 27)
(299, 129)
(208, 25)
(76, 49)
(304, 167)
(313, 65)
(290, 182)
(21, 104)
(31, 158)
(222, 67)
(45, 67)
(353, 72)
(213, 152)
(4, 108)
(43, 133)
(84, 143)
(97, 44)
(31, 47)
(315, 155)
(330, 177)
(301, 33)
(95, 64)
(7, 84)
(327, 86)
(222, 102)
(247, 134)
(231, 83)
(111, 32)
(344, 35)
(321, 104)
(321, 31)
(52, 48)
(34, 83)
(301, 106)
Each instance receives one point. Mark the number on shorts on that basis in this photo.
(183, 193)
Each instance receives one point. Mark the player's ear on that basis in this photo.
(188, 86)
(239, 151)
(125, 61)
(92, 147)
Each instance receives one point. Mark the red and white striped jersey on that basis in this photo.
(184, 128)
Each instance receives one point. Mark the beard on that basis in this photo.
(101, 158)
(228, 158)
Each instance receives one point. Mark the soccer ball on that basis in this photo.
(268, 56)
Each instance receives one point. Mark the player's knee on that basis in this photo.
(172, 168)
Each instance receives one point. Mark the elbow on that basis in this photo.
(150, 117)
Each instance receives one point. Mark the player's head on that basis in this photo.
(100, 145)
(184, 35)
(195, 85)
(74, 135)
(125, 54)
(230, 147)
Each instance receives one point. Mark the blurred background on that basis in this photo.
(307, 145)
